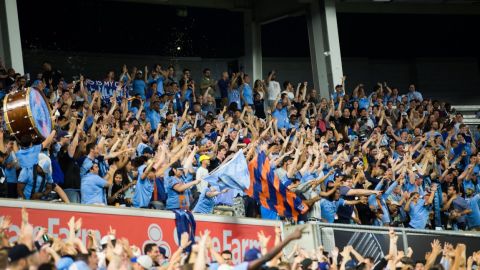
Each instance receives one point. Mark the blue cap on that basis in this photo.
(323, 266)
(252, 254)
(64, 263)
(148, 150)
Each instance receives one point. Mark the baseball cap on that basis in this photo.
(147, 150)
(63, 134)
(323, 266)
(177, 165)
(64, 263)
(306, 263)
(145, 261)
(163, 251)
(105, 239)
(18, 252)
(203, 157)
(252, 254)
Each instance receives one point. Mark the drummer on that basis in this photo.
(27, 156)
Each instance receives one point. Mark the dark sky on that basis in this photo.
(114, 27)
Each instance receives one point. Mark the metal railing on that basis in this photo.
(469, 113)
(372, 241)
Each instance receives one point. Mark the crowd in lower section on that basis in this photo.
(43, 251)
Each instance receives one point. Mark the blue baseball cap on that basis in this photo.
(252, 254)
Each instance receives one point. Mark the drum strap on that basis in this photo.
(35, 174)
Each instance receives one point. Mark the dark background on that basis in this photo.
(117, 27)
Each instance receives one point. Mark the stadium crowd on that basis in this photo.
(43, 251)
(384, 157)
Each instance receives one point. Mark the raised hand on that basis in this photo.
(297, 234)
(263, 239)
(185, 240)
(436, 247)
(6, 223)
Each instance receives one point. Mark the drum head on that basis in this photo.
(40, 113)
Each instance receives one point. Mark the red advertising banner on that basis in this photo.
(139, 226)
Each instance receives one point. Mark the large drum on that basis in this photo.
(27, 112)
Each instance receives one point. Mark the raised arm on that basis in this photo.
(46, 143)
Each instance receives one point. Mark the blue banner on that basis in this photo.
(106, 89)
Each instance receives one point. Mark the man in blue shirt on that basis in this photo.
(414, 94)
(158, 75)
(281, 112)
(459, 207)
(153, 114)
(93, 186)
(206, 201)
(10, 169)
(246, 92)
(223, 84)
(27, 156)
(93, 157)
(37, 183)
(330, 205)
(419, 209)
(144, 187)
(379, 201)
(139, 85)
(473, 218)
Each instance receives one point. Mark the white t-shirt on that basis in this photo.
(201, 173)
(273, 90)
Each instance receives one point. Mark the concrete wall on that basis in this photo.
(456, 80)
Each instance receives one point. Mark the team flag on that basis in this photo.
(266, 188)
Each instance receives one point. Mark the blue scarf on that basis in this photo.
(185, 222)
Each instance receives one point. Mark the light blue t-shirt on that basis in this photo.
(140, 147)
(188, 96)
(139, 88)
(205, 204)
(363, 103)
(160, 90)
(175, 199)
(92, 189)
(329, 209)
(159, 81)
(473, 218)
(88, 163)
(248, 94)
(372, 200)
(29, 156)
(282, 118)
(86, 166)
(419, 214)
(154, 118)
(11, 173)
(26, 177)
(143, 190)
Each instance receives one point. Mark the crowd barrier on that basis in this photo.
(143, 226)
(139, 226)
(374, 241)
